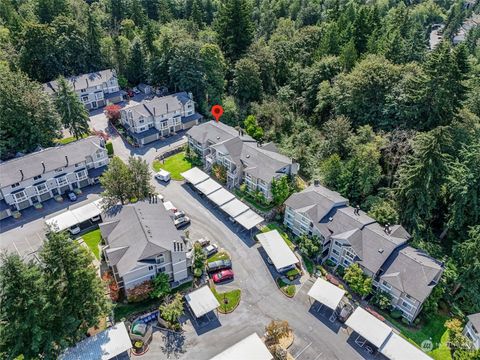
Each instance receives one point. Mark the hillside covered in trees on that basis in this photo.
(349, 89)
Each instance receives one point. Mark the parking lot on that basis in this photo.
(315, 337)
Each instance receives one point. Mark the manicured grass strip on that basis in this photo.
(432, 329)
(287, 289)
(93, 239)
(308, 265)
(174, 164)
(68, 140)
(219, 256)
(232, 298)
(275, 226)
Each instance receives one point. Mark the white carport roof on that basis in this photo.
(76, 216)
(369, 327)
(251, 348)
(397, 348)
(62, 221)
(234, 208)
(277, 249)
(202, 301)
(208, 186)
(195, 175)
(221, 196)
(249, 219)
(326, 293)
(102, 346)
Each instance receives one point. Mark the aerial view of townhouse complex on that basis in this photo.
(239, 180)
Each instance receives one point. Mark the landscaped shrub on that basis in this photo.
(109, 147)
(396, 314)
(322, 270)
(405, 321)
(340, 271)
(329, 263)
(292, 274)
(140, 292)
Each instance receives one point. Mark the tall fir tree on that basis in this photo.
(197, 13)
(136, 66)
(215, 68)
(234, 27)
(94, 36)
(73, 114)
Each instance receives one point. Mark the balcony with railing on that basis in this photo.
(20, 196)
(62, 181)
(41, 189)
(81, 175)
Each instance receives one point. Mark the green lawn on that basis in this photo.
(174, 164)
(433, 330)
(218, 256)
(93, 239)
(251, 201)
(232, 297)
(68, 140)
(276, 226)
(288, 289)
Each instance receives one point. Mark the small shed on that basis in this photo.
(144, 88)
(277, 250)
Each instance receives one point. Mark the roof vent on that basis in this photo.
(248, 156)
(218, 137)
(330, 219)
(380, 251)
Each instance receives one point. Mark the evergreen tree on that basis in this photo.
(214, 67)
(197, 13)
(209, 10)
(136, 67)
(420, 179)
(73, 114)
(247, 84)
(23, 319)
(47, 10)
(75, 295)
(29, 121)
(234, 27)
(93, 38)
(149, 35)
(137, 14)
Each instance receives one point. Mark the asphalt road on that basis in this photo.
(315, 337)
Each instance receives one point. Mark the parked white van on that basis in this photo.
(163, 175)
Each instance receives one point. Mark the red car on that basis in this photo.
(222, 276)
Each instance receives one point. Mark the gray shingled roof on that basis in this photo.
(412, 271)
(158, 105)
(137, 232)
(53, 158)
(475, 319)
(216, 132)
(315, 202)
(342, 219)
(83, 81)
(262, 163)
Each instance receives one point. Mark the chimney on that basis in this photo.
(21, 172)
(43, 165)
(66, 159)
(167, 106)
(357, 210)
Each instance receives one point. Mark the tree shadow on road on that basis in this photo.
(173, 344)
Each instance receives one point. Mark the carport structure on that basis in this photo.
(249, 219)
(277, 250)
(368, 328)
(221, 197)
(201, 302)
(234, 208)
(251, 348)
(208, 186)
(74, 217)
(195, 176)
(327, 294)
(397, 348)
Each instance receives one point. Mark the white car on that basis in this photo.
(203, 242)
(74, 230)
(95, 218)
(135, 90)
(163, 175)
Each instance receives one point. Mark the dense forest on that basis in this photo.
(348, 88)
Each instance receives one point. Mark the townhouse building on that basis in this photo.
(42, 175)
(94, 90)
(141, 241)
(245, 160)
(472, 330)
(159, 117)
(348, 235)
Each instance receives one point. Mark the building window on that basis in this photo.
(62, 181)
(58, 170)
(78, 164)
(162, 269)
(335, 252)
(37, 177)
(406, 305)
(15, 185)
(150, 268)
(85, 98)
(337, 243)
(386, 285)
(41, 189)
(160, 259)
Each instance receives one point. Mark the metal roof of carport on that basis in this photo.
(221, 196)
(369, 327)
(234, 208)
(249, 219)
(208, 186)
(195, 176)
(250, 348)
(202, 301)
(397, 348)
(326, 293)
(277, 249)
(62, 221)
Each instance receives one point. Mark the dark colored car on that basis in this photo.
(130, 93)
(222, 276)
(219, 265)
(211, 249)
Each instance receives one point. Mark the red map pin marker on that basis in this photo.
(217, 112)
